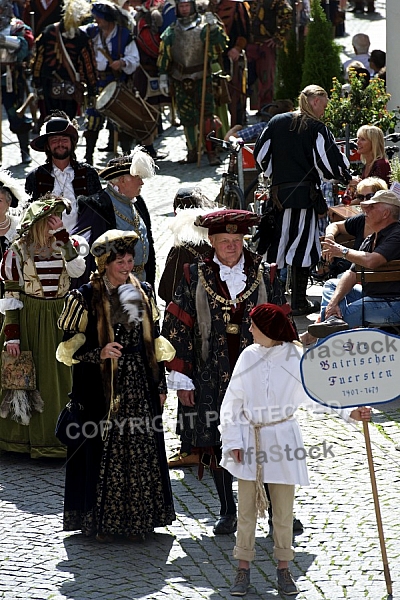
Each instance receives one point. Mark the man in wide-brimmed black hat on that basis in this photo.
(61, 174)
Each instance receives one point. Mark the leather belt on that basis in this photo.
(188, 70)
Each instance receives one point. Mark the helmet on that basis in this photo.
(193, 11)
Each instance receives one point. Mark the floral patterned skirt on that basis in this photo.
(133, 493)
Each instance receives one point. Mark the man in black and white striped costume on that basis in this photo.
(297, 151)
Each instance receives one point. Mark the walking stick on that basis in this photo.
(203, 95)
(377, 508)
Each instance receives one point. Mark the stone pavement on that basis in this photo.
(337, 556)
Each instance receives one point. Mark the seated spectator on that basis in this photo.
(371, 146)
(354, 226)
(361, 44)
(377, 61)
(251, 132)
(345, 304)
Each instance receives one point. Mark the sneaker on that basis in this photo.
(331, 325)
(242, 583)
(286, 585)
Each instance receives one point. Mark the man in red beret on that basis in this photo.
(208, 324)
(257, 421)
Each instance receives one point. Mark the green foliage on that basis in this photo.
(322, 55)
(289, 68)
(361, 107)
(394, 169)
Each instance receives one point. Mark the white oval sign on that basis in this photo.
(353, 368)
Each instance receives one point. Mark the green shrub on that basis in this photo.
(361, 107)
(289, 68)
(321, 55)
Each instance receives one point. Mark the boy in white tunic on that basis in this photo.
(259, 433)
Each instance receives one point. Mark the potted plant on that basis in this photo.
(395, 170)
(362, 106)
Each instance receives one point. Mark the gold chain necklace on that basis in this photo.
(228, 302)
(135, 222)
(192, 251)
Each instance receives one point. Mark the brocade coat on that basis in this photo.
(205, 352)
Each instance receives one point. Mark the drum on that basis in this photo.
(128, 110)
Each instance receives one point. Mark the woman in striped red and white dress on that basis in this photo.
(36, 270)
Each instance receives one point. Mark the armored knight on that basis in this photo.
(181, 62)
(16, 40)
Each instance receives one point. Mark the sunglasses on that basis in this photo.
(361, 197)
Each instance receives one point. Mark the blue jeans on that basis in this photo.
(376, 310)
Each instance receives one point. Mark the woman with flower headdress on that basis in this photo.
(117, 481)
(36, 271)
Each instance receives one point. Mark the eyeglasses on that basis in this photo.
(361, 197)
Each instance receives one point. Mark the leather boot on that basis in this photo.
(223, 483)
(190, 158)
(299, 301)
(23, 139)
(91, 139)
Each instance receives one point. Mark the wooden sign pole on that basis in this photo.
(377, 508)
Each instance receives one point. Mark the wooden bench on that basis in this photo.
(388, 272)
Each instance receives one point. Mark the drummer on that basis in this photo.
(117, 57)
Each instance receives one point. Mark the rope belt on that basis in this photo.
(261, 496)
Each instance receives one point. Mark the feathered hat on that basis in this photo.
(73, 15)
(42, 208)
(113, 240)
(138, 163)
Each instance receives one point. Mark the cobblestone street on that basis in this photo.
(338, 555)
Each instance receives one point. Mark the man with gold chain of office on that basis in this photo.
(208, 323)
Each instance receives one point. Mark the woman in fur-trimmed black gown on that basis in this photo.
(117, 481)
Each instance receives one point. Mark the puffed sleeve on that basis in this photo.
(73, 321)
(11, 304)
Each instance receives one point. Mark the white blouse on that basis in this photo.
(266, 388)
